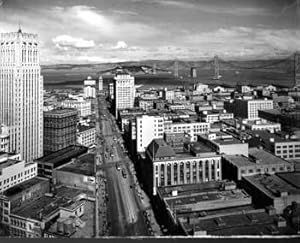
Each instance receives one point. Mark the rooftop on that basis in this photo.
(82, 128)
(24, 185)
(60, 112)
(278, 137)
(65, 154)
(292, 178)
(160, 149)
(255, 222)
(8, 163)
(199, 147)
(83, 165)
(46, 206)
(256, 156)
(272, 185)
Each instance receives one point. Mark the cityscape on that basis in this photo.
(149, 119)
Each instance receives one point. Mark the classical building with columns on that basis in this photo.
(197, 164)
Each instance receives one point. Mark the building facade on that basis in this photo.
(191, 128)
(147, 129)
(84, 107)
(14, 171)
(89, 88)
(124, 91)
(248, 108)
(4, 138)
(21, 93)
(86, 135)
(59, 129)
(171, 169)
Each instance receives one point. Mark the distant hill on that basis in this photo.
(232, 72)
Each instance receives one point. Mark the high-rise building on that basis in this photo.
(4, 138)
(59, 129)
(124, 91)
(21, 93)
(147, 129)
(89, 88)
(100, 83)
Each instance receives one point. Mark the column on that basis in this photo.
(197, 171)
(178, 173)
(203, 170)
(216, 169)
(184, 173)
(166, 174)
(172, 173)
(209, 169)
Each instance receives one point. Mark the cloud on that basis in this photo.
(124, 12)
(209, 8)
(65, 42)
(120, 45)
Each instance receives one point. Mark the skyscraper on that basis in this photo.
(124, 91)
(21, 93)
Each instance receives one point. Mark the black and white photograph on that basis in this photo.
(150, 119)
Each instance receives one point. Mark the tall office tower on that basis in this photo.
(59, 129)
(4, 138)
(100, 83)
(124, 91)
(21, 93)
(193, 72)
(89, 88)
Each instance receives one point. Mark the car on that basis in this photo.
(118, 167)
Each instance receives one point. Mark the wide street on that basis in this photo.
(124, 207)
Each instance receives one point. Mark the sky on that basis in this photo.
(98, 31)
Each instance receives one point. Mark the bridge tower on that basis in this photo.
(176, 69)
(297, 70)
(217, 68)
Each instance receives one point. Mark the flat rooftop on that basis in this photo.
(263, 157)
(265, 135)
(272, 185)
(84, 128)
(65, 154)
(24, 185)
(248, 223)
(199, 147)
(8, 163)
(83, 165)
(49, 205)
(292, 178)
(186, 190)
(199, 197)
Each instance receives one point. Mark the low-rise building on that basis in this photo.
(248, 109)
(259, 124)
(215, 116)
(192, 128)
(48, 163)
(224, 143)
(259, 161)
(278, 191)
(80, 173)
(86, 135)
(84, 107)
(59, 214)
(14, 171)
(165, 167)
(280, 144)
(289, 119)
